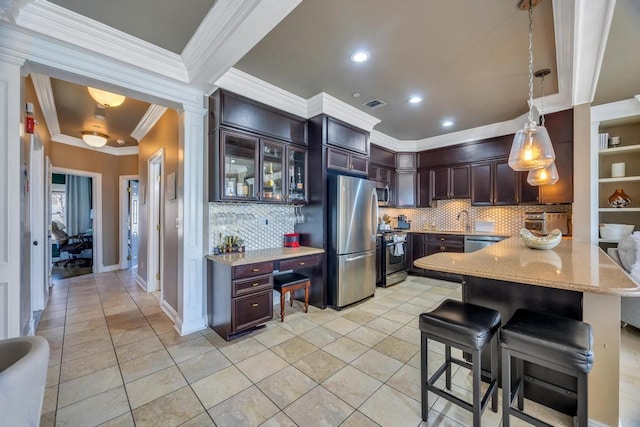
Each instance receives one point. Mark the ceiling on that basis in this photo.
(467, 59)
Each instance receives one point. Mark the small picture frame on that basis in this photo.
(171, 186)
(142, 194)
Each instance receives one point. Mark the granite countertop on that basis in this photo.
(574, 265)
(262, 255)
(460, 233)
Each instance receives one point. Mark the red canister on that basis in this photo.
(292, 240)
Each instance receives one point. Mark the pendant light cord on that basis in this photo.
(531, 62)
(542, 102)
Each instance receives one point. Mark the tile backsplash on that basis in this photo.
(508, 219)
(261, 226)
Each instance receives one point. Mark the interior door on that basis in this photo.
(133, 224)
(47, 217)
(38, 217)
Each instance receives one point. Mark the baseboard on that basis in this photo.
(108, 268)
(141, 282)
(169, 311)
(186, 328)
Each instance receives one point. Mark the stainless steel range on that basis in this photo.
(394, 260)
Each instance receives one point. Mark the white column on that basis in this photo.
(192, 286)
(10, 187)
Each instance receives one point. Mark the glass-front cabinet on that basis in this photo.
(253, 168)
(297, 175)
(239, 155)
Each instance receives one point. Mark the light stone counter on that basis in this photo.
(573, 265)
(263, 255)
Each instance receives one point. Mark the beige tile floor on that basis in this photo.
(117, 361)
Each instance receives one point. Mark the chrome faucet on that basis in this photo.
(467, 224)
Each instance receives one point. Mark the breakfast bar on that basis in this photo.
(575, 279)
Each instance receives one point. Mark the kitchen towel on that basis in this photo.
(398, 247)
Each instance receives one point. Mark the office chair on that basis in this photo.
(73, 245)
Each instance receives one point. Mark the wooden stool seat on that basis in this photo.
(289, 282)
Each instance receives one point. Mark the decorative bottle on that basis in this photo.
(619, 199)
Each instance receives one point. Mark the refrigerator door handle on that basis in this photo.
(374, 214)
(355, 258)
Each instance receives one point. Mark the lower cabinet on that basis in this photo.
(424, 244)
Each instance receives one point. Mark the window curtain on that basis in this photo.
(79, 200)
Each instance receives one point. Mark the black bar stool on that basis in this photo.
(551, 341)
(470, 328)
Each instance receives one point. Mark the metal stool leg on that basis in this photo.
(494, 372)
(424, 377)
(583, 414)
(520, 377)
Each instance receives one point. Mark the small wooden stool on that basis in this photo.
(289, 282)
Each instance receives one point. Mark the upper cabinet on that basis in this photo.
(246, 160)
(344, 148)
(450, 183)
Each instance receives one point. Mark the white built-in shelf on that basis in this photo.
(618, 150)
(619, 179)
(619, 209)
(601, 240)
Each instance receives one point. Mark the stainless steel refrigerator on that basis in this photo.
(353, 223)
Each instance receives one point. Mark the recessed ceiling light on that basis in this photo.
(447, 123)
(360, 56)
(356, 94)
(415, 99)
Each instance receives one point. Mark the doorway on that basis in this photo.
(155, 244)
(129, 221)
(75, 223)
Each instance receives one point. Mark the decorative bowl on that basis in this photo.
(615, 231)
(549, 241)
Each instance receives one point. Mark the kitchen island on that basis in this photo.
(575, 279)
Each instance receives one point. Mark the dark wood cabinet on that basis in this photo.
(382, 156)
(451, 183)
(424, 244)
(494, 183)
(561, 191)
(423, 193)
(242, 297)
(405, 189)
(406, 161)
(251, 168)
(343, 135)
(444, 243)
(346, 161)
(417, 250)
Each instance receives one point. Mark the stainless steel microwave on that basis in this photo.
(384, 195)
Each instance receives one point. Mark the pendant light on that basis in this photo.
(531, 148)
(548, 175)
(108, 99)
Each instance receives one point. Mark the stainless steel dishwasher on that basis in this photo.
(475, 243)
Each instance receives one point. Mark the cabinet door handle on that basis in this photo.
(254, 304)
(254, 284)
(255, 270)
(301, 263)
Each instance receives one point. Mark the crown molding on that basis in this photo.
(44, 93)
(55, 21)
(10, 9)
(563, 23)
(228, 32)
(327, 104)
(56, 59)
(616, 110)
(252, 87)
(391, 143)
(148, 121)
(79, 143)
(593, 21)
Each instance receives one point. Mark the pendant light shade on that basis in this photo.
(531, 149)
(108, 99)
(94, 139)
(544, 176)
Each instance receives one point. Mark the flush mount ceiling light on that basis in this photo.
(447, 123)
(416, 99)
(360, 56)
(108, 99)
(94, 139)
(531, 148)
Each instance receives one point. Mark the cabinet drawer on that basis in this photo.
(251, 310)
(255, 284)
(249, 270)
(302, 262)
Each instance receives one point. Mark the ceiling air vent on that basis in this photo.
(375, 103)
